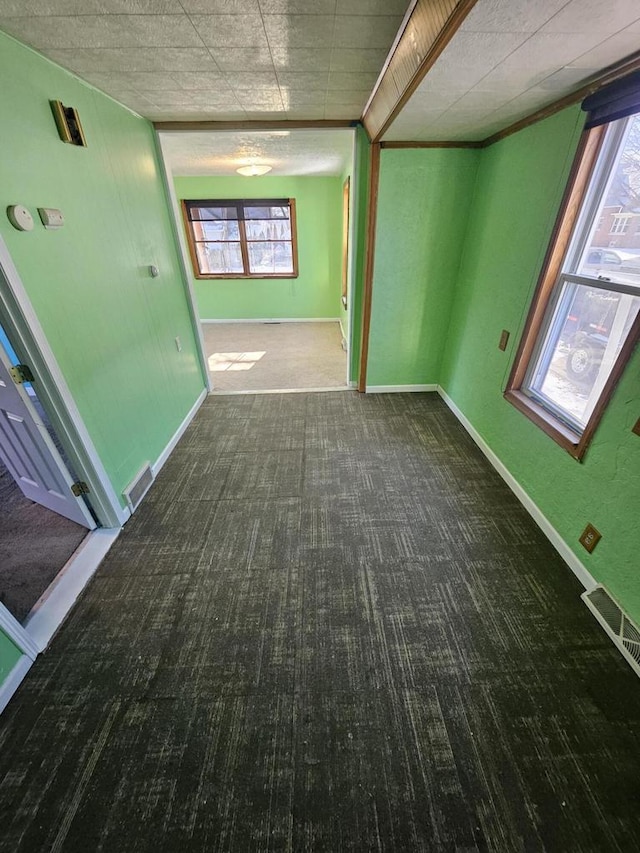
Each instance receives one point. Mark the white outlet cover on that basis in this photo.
(20, 217)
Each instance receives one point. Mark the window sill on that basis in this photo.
(571, 441)
(226, 276)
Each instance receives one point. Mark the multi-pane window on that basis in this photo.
(620, 224)
(585, 320)
(242, 238)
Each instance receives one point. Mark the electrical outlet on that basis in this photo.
(178, 344)
(589, 538)
(636, 427)
(504, 340)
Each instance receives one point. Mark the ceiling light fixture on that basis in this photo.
(254, 170)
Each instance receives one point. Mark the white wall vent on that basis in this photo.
(138, 487)
(624, 633)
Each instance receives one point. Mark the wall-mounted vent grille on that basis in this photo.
(138, 487)
(624, 633)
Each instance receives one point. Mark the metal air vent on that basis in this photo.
(138, 487)
(624, 633)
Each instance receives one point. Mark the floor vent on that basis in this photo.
(624, 633)
(138, 487)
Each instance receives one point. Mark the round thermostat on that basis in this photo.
(20, 217)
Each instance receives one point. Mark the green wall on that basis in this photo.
(423, 205)
(520, 184)
(316, 290)
(111, 326)
(10, 654)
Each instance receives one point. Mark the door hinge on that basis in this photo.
(22, 373)
(80, 488)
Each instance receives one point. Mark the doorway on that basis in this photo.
(42, 523)
(272, 305)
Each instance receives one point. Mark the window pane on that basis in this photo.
(268, 229)
(278, 212)
(270, 258)
(227, 229)
(203, 213)
(585, 336)
(216, 258)
(613, 245)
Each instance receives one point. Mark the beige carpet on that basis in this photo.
(274, 356)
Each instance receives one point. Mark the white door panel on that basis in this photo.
(30, 455)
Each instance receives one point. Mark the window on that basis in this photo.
(585, 320)
(620, 225)
(242, 238)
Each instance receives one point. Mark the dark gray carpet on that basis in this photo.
(330, 627)
(35, 543)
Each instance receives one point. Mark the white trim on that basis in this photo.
(54, 604)
(54, 390)
(398, 389)
(352, 384)
(351, 251)
(581, 572)
(281, 391)
(10, 626)
(14, 680)
(157, 465)
(345, 342)
(185, 263)
(277, 320)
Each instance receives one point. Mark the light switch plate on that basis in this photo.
(51, 217)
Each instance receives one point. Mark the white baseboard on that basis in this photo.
(398, 389)
(352, 384)
(52, 607)
(277, 320)
(580, 571)
(14, 680)
(124, 515)
(281, 391)
(166, 453)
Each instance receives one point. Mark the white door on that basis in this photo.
(30, 455)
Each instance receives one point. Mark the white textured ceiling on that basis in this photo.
(512, 57)
(217, 59)
(319, 59)
(288, 152)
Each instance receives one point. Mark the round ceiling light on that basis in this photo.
(254, 170)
